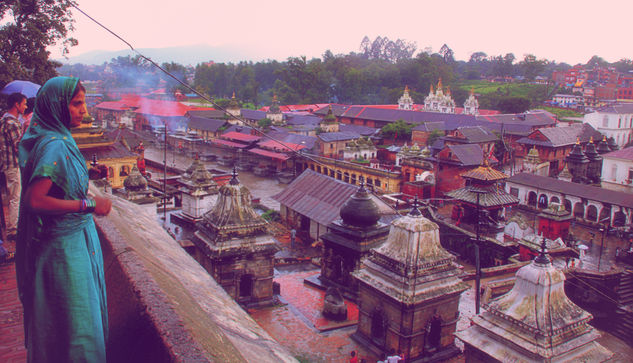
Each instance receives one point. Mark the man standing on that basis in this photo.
(10, 135)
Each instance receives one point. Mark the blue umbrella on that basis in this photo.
(29, 89)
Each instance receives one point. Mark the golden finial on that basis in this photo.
(604, 137)
(406, 88)
(233, 94)
(439, 84)
(591, 140)
(472, 91)
(577, 141)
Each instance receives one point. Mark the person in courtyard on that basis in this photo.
(393, 357)
(10, 134)
(353, 357)
(59, 265)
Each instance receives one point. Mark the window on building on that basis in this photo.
(377, 183)
(514, 191)
(614, 171)
(630, 175)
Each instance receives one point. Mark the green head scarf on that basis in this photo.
(50, 116)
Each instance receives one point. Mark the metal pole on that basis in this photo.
(604, 230)
(165, 178)
(477, 264)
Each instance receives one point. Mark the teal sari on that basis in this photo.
(59, 264)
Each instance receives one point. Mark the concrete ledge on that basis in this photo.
(163, 306)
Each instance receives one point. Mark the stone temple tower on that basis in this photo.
(234, 246)
(409, 293)
(199, 191)
(533, 322)
(349, 239)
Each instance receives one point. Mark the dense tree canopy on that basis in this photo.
(28, 28)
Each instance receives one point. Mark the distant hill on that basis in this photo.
(185, 55)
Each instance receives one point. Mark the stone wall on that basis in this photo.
(163, 306)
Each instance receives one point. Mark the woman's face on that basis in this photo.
(77, 108)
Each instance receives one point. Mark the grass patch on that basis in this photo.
(562, 113)
(527, 90)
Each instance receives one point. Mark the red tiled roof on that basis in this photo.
(229, 143)
(113, 105)
(269, 154)
(163, 108)
(240, 137)
(282, 146)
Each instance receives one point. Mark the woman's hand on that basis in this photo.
(103, 206)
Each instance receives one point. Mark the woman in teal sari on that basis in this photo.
(58, 255)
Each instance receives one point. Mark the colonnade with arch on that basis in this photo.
(581, 208)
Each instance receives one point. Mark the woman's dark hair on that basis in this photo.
(78, 88)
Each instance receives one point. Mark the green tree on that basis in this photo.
(27, 29)
(532, 67)
(433, 136)
(264, 123)
(397, 130)
(513, 104)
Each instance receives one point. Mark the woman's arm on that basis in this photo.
(38, 200)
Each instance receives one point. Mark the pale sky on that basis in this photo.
(560, 30)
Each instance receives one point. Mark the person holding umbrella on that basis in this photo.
(10, 135)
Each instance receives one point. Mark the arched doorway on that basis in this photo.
(567, 205)
(592, 213)
(542, 201)
(531, 199)
(619, 219)
(346, 177)
(554, 199)
(579, 210)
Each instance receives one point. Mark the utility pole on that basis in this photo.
(165, 178)
(477, 259)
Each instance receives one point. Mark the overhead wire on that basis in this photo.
(213, 103)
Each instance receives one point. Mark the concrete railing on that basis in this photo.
(163, 306)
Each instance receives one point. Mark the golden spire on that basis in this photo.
(439, 84)
(406, 88)
(591, 140)
(472, 91)
(233, 95)
(604, 137)
(577, 141)
(431, 90)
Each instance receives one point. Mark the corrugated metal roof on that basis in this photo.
(338, 136)
(205, 124)
(563, 136)
(319, 197)
(578, 190)
(468, 154)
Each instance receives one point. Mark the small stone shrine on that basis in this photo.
(234, 246)
(409, 290)
(334, 305)
(533, 322)
(577, 163)
(199, 191)
(349, 239)
(136, 191)
(594, 168)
